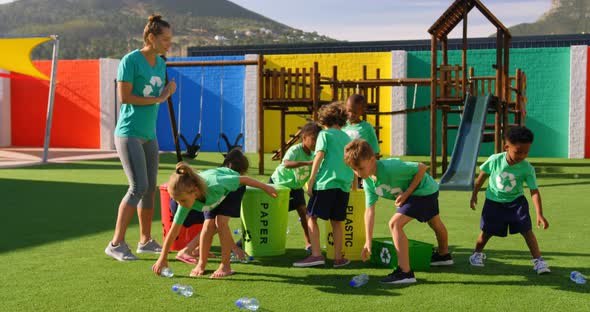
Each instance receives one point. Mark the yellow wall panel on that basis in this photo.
(350, 67)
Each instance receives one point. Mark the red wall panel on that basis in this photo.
(76, 113)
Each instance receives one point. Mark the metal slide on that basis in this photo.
(461, 171)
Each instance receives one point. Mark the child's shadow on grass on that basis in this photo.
(329, 283)
(496, 264)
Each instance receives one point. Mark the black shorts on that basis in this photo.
(296, 197)
(230, 206)
(499, 218)
(193, 217)
(421, 208)
(328, 204)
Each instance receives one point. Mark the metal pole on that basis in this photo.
(51, 98)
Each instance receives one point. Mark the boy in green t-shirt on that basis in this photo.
(416, 196)
(505, 206)
(329, 185)
(356, 128)
(294, 171)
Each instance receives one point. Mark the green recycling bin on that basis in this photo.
(264, 221)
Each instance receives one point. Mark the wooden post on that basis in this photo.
(315, 90)
(444, 141)
(464, 55)
(377, 99)
(260, 115)
(283, 126)
(498, 91)
(445, 75)
(433, 83)
(506, 93)
(335, 83)
(517, 98)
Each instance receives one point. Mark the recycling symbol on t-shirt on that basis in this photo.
(385, 255)
(505, 181)
(155, 82)
(302, 173)
(384, 188)
(353, 134)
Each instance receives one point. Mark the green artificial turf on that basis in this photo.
(58, 218)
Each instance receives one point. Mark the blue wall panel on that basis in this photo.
(187, 101)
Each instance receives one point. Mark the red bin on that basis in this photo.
(186, 233)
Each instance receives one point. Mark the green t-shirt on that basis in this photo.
(393, 177)
(293, 178)
(220, 182)
(506, 182)
(363, 130)
(140, 120)
(333, 172)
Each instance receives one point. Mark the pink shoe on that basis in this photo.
(341, 262)
(310, 262)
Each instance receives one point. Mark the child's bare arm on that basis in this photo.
(369, 224)
(257, 184)
(536, 197)
(401, 198)
(478, 183)
(315, 166)
(296, 164)
(162, 261)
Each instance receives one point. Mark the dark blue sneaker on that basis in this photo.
(440, 260)
(399, 277)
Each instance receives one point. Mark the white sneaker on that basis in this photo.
(541, 266)
(120, 252)
(476, 259)
(150, 246)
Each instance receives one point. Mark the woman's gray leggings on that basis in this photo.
(140, 161)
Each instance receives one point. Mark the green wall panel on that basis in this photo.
(548, 75)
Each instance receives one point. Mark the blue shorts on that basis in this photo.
(296, 197)
(193, 217)
(230, 206)
(421, 208)
(497, 218)
(328, 204)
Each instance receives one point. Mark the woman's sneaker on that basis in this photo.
(541, 266)
(120, 252)
(477, 258)
(399, 277)
(439, 260)
(150, 247)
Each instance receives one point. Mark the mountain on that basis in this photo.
(91, 29)
(564, 17)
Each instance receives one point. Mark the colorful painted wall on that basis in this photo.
(76, 115)
(548, 74)
(222, 104)
(350, 66)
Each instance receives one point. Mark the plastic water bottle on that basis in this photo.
(234, 258)
(166, 272)
(250, 304)
(359, 280)
(578, 277)
(183, 290)
(239, 241)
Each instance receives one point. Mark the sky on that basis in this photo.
(367, 20)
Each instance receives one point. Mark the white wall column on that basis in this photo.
(108, 112)
(399, 69)
(251, 105)
(577, 114)
(5, 102)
